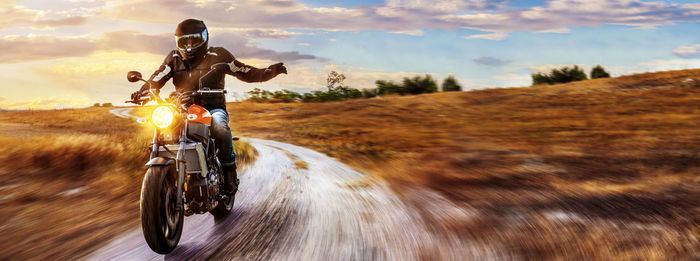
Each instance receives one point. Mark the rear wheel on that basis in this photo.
(161, 223)
(224, 206)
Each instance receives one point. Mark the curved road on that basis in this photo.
(298, 204)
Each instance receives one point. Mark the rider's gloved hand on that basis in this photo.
(136, 96)
(188, 98)
(278, 68)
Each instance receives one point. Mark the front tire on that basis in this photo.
(161, 223)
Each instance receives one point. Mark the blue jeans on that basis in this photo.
(222, 136)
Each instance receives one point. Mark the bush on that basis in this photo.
(388, 87)
(415, 85)
(418, 85)
(369, 93)
(541, 78)
(599, 72)
(450, 84)
(286, 96)
(259, 95)
(340, 93)
(351, 93)
(562, 75)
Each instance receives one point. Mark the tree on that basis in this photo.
(563, 75)
(450, 84)
(388, 87)
(599, 72)
(567, 74)
(334, 80)
(541, 78)
(418, 85)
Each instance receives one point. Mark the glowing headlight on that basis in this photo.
(163, 116)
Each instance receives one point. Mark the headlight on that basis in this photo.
(163, 116)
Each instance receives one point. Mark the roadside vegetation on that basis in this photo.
(568, 74)
(337, 91)
(589, 170)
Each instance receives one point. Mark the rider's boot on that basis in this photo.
(231, 178)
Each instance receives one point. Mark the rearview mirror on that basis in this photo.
(134, 76)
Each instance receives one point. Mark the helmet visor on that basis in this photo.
(191, 41)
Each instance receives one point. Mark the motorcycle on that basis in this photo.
(184, 175)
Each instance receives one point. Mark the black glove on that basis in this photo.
(136, 96)
(278, 68)
(188, 98)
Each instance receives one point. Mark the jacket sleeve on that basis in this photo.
(163, 74)
(243, 71)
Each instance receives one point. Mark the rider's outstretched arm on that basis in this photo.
(246, 72)
(163, 74)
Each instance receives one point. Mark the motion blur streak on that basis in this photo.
(288, 210)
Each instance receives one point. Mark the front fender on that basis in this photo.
(160, 161)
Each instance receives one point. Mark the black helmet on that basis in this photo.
(192, 39)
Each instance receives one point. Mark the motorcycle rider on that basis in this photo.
(193, 66)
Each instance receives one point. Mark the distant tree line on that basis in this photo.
(106, 104)
(568, 74)
(337, 91)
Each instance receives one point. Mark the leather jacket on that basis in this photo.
(206, 73)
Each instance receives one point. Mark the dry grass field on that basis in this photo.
(594, 170)
(599, 169)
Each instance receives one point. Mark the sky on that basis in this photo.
(73, 53)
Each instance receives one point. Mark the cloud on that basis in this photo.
(654, 66)
(688, 51)
(242, 48)
(272, 34)
(237, 44)
(444, 6)
(12, 14)
(490, 61)
(493, 36)
(412, 15)
(17, 49)
(134, 41)
(67, 21)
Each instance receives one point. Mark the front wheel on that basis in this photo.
(160, 221)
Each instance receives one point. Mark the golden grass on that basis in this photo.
(615, 152)
(70, 180)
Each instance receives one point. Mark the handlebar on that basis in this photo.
(211, 91)
(177, 96)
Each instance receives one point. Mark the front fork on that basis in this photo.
(181, 168)
(179, 162)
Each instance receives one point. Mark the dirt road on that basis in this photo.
(298, 204)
